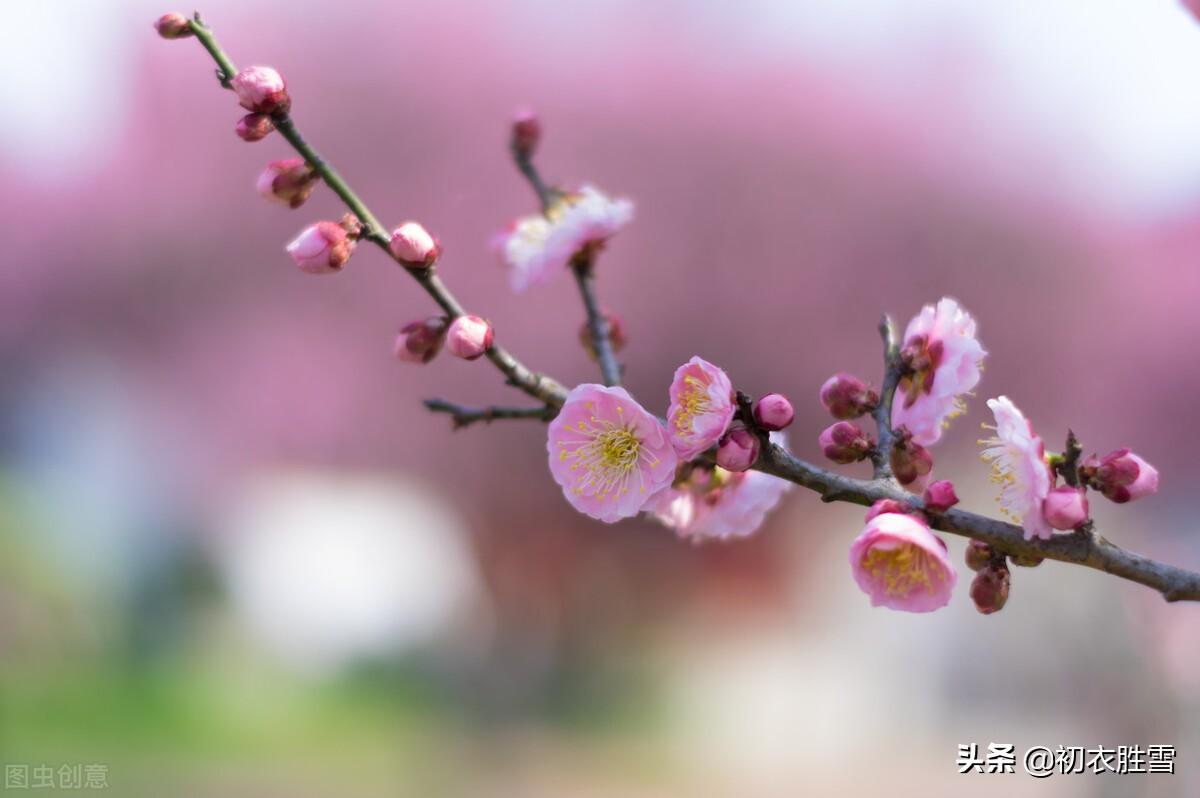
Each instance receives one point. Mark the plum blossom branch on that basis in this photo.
(882, 456)
(1088, 549)
(518, 375)
(526, 132)
(615, 460)
(465, 416)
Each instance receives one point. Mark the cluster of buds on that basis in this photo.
(990, 587)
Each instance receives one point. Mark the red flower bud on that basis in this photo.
(420, 341)
(737, 450)
(1121, 476)
(254, 127)
(940, 496)
(173, 26)
(978, 555)
(469, 337)
(773, 412)
(526, 134)
(846, 396)
(845, 442)
(989, 589)
(414, 246)
(911, 462)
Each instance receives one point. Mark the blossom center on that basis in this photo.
(902, 570)
(922, 356)
(610, 457)
(693, 402)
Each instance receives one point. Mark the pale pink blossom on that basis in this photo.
(469, 337)
(1018, 459)
(1066, 507)
(261, 89)
(715, 504)
(321, 248)
(901, 564)
(414, 246)
(537, 247)
(609, 455)
(946, 357)
(701, 407)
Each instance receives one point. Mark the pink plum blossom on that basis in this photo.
(609, 455)
(701, 407)
(901, 564)
(469, 337)
(537, 247)
(321, 248)
(261, 89)
(941, 348)
(1018, 459)
(712, 503)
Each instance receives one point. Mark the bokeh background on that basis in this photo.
(238, 559)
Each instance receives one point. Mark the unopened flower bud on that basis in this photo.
(773, 412)
(469, 337)
(911, 462)
(420, 341)
(173, 26)
(1065, 507)
(290, 182)
(262, 90)
(940, 496)
(989, 589)
(845, 442)
(414, 246)
(737, 450)
(321, 248)
(887, 506)
(846, 396)
(254, 127)
(526, 134)
(978, 554)
(1026, 560)
(616, 334)
(1121, 476)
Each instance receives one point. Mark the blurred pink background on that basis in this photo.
(178, 397)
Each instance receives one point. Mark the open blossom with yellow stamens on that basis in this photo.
(1018, 459)
(902, 565)
(536, 248)
(701, 407)
(609, 455)
(946, 359)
